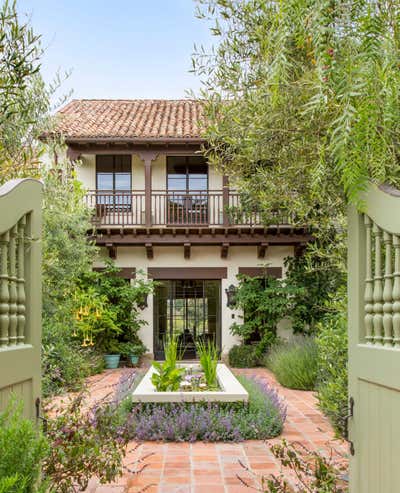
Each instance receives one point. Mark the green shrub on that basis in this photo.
(243, 356)
(264, 302)
(64, 363)
(84, 443)
(332, 364)
(295, 363)
(23, 449)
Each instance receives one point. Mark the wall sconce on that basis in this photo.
(142, 303)
(231, 296)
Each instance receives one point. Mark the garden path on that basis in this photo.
(215, 467)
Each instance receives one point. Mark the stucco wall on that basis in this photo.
(86, 173)
(205, 256)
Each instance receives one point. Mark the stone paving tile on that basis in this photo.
(215, 467)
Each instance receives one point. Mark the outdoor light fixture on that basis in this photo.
(142, 303)
(231, 296)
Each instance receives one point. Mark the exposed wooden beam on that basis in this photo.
(112, 250)
(208, 238)
(149, 250)
(186, 250)
(261, 250)
(224, 250)
(299, 249)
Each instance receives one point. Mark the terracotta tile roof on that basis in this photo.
(132, 119)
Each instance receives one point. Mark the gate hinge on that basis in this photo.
(346, 418)
(38, 415)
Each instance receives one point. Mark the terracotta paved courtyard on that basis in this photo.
(214, 467)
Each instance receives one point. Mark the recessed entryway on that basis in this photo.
(188, 309)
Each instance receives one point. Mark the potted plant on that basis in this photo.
(132, 351)
(112, 350)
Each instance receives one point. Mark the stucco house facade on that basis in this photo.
(161, 211)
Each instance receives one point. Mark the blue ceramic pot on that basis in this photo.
(134, 359)
(112, 361)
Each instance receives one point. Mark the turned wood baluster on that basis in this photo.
(378, 291)
(387, 292)
(12, 250)
(21, 296)
(369, 284)
(396, 291)
(4, 292)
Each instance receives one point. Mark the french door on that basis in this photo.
(187, 186)
(188, 309)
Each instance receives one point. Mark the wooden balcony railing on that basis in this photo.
(171, 208)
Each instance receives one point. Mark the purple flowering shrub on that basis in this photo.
(88, 440)
(261, 418)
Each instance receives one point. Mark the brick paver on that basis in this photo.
(215, 467)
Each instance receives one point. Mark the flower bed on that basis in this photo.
(262, 417)
(192, 387)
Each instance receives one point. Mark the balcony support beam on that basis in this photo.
(261, 250)
(186, 250)
(225, 201)
(147, 157)
(224, 250)
(149, 250)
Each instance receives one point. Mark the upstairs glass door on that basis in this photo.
(187, 186)
(114, 181)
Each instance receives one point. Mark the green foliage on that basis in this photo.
(313, 284)
(84, 443)
(128, 349)
(23, 449)
(167, 376)
(172, 350)
(12, 484)
(24, 96)
(264, 301)
(109, 307)
(332, 362)
(243, 356)
(313, 472)
(303, 104)
(67, 255)
(208, 356)
(295, 363)
(64, 362)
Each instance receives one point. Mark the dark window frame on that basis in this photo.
(114, 170)
(186, 164)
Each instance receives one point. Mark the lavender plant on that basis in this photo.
(261, 418)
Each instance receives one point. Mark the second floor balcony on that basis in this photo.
(160, 208)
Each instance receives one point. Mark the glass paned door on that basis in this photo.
(187, 185)
(114, 182)
(189, 309)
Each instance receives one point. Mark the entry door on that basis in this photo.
(374, 343)
(189, 309)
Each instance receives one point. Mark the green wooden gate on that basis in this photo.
(20, 292)
(374, 342)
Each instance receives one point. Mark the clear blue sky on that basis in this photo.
(119, 48)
